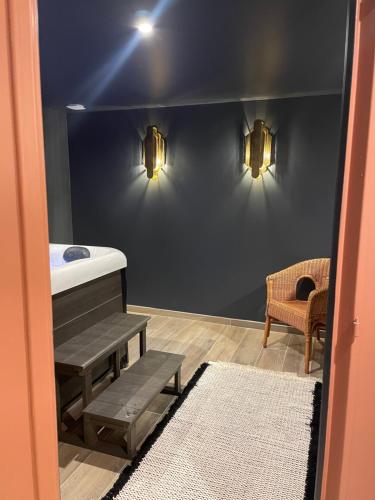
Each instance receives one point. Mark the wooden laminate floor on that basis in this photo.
(88, 475)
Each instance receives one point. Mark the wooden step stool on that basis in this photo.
(120, 405)
(83, 352)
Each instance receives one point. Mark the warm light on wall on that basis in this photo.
(153, 152)
(258, 149)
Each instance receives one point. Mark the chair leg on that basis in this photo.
(267, 328)
(308, 344)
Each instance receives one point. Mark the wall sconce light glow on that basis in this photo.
(145, 28)
(76, 107)
(154, 152)
(258, 149)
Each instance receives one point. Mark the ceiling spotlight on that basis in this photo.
(76, 107)
(145, 28)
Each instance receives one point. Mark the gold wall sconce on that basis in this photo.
(154, 149)
(258, 149)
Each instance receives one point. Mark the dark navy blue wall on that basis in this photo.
(204, 237)
(56, 153)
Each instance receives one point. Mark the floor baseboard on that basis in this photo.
(244, 323)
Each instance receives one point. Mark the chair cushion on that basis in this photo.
(291, 312)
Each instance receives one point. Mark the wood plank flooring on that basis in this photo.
(86, 475)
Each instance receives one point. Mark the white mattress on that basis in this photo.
(66, 275)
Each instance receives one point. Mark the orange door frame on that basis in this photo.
(28, 460)
(29, 466)
(350, 439)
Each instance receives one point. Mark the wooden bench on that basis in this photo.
(83, 352)
(120, 405)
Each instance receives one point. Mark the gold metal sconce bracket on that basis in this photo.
(258, 149)
(154, 149)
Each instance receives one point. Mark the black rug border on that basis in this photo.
(314, 443)
(153, 437)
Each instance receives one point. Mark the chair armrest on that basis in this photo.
(318, 303)
(281, 285)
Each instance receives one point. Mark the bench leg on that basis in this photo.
(177, 381)
(142, 342)
(125, 357)
(86, 389)
(116, 361)
(131, 441)
(89, 432)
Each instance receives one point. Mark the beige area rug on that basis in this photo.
(236, 433)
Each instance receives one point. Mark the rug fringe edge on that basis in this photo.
(314, 443)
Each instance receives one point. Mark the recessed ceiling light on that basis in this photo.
(76, 107)
(145, 28)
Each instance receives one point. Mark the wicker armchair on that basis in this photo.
(307, 316)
